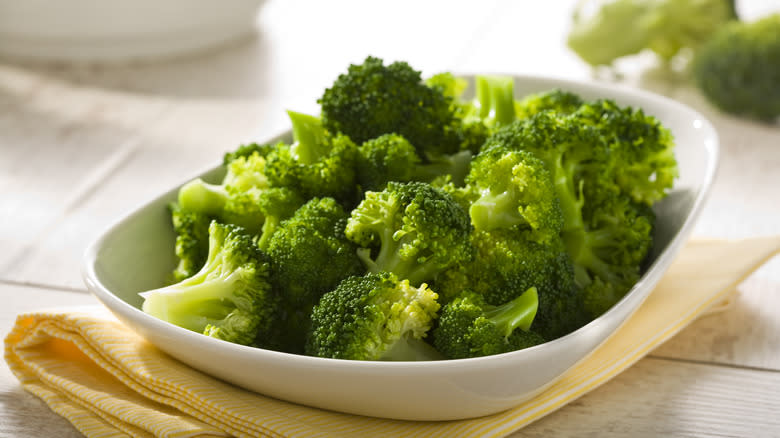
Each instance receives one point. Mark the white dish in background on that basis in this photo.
(113, 31)
(136, 254)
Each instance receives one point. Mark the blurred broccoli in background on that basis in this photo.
(604, 31)
(738, 69)
(734, 63)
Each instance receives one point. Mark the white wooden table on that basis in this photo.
(80, 146)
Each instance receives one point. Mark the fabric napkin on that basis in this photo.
(107, 381)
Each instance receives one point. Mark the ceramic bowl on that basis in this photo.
(119, 31)
(136, 254)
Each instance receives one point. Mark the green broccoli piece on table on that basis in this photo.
(626, 27)
(229, 298)
(470, 327)
(738, 69)
(412, 230)
(374, 317)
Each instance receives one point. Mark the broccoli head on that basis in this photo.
(309, 257)
(508, 262)
(229, 298)
(316, 164)
(389, 157)
(470, 327)
(513, 189)
(234, 200)
(738, 69)
(372, 99)
(410, 229)
(373, 317)
(557, 100)
(192, 241)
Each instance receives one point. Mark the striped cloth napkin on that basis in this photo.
(109, 382)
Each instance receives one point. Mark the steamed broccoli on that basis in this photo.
(389, 157)
(234, 200)
(626, 27)
(230, 298)
(513, 189)
(738, 69)
(505, 263)
(412, 230)
(316, 164)
(276, 204)
(309, 256)
(470, 327)
(373, 99)
(557, 100)
(606, 162)
(374, 317)
(192, 241)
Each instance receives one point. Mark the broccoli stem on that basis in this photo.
(518, 313)
(456, 165)
(308, 137)
(195, 302)
(495, 95)
(570, 197)
(202, 197)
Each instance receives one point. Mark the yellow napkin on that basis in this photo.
(108, 381)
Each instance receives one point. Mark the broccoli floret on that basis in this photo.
(389, 157)
(192, 241)
(412, 230)
(513, 189)
(609, 253)
(234, 200)
(374, 317)
(276, 204)
(316, 164)
(627, 27)
(470, 327)
(309, 256)
(738, 69)
(230, 298)
(507, 262)
(372, 99)
(245, 151)
(558, 100)
(608, 165)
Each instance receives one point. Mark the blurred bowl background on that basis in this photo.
(120, 30)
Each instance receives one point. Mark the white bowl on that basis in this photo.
(137, 253)
(97, 30)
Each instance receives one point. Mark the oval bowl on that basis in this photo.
(136, 254)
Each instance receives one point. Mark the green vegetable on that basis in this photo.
(234, 200)
(374, 317)
(469, 327)
(230, 298)
(626, 27)
(412, 230)
(309, 256)
(738, 69)
(192, 241)
(316, 164)
(373, 99)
